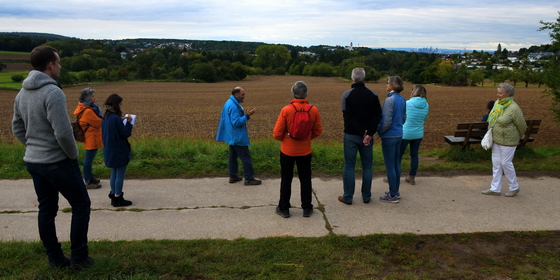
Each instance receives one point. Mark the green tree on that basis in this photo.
(204, 72)
(446, 72)
(516, 75)
(17, 78)
(552, 68)
(143, 63)
(414, 74)
(271, 56)
(477, 76)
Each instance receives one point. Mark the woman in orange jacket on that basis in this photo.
(90, 117)
(296, 149)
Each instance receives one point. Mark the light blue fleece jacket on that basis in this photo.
(41, 121)
(416, 114)
(393, 116)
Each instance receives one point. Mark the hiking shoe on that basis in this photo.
(367, 200)
(512, 193)
(253, 182)
(92, 185)
(119, 201)
(283, 213)
(398, 194)
(83, 265)
(95, 180)
(64, 263)
(410, 180)
(234, 179)
(490, 192)
(307, 212)
(341, 199)
(389, 198)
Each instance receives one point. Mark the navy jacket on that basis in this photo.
(116, 151)
(361, 110)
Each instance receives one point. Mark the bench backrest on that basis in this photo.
(532, 128)
(478, 129)
(469, 130)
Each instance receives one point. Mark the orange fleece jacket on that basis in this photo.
(294, 147)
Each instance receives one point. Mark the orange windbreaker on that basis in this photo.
(93, 132)
(293, 147)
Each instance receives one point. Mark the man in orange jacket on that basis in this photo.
(296, 151)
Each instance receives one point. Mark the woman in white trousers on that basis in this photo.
(508, 127)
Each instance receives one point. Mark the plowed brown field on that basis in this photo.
(192, 110)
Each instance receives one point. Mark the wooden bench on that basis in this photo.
(472, 133)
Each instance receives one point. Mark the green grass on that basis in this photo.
(378, 256)
(10, 52)
(514, 255)
(6, 80)
(183, 158)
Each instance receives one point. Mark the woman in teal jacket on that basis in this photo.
(413, 129)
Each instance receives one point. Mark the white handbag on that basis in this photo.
(487, 141)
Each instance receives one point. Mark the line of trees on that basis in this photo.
(552, 69)
(207, 61)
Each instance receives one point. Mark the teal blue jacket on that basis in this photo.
(416, 114)
(233, 124)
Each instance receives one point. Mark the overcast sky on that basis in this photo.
(470, 25)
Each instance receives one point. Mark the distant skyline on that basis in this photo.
(473, 25)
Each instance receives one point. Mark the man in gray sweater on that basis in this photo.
(41, 123)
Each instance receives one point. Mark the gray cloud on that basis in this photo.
(444, 24)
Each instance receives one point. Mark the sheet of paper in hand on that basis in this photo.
(132, 121)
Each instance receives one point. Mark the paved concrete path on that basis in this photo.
(213, 208)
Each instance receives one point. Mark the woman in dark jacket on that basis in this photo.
(115, 132)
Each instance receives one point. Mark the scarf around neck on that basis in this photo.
(499, 108)
(93, 106)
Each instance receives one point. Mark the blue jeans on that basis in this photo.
(414, 147)
(391, 147)
(287, 175)
(352, 145)
(88, 163)
(49, 180)
(241, 152)
(117, 179)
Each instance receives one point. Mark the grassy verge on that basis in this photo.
(511, 255)
(6, 80)
(181, 158)
(506, 255)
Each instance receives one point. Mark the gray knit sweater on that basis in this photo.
(41, 121)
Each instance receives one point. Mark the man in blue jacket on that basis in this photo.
(233, 130)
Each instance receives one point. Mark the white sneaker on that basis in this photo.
(512, 193)
(490, 192)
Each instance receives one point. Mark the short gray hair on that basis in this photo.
(358, 75)
(86, 94)
(299, 90)
(508, 88)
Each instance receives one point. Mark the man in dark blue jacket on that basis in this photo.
(361, 110)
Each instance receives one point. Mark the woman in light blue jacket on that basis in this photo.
(413, 129)
(390, 131)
